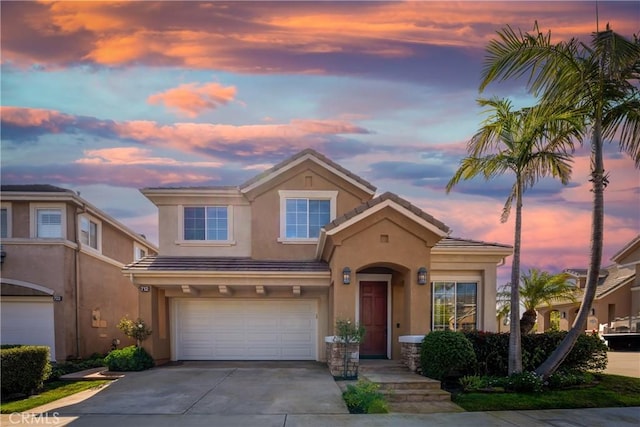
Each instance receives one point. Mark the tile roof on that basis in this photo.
(456, 242)
(386, 196)
(35, 188)
(194, 263)
(317, 155)
(616, 277)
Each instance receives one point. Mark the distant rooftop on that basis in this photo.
(35, 188)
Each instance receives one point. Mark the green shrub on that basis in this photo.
(445, 354)
(561, 380)
(364, 398)
(524, 382)
(130, 358)
(472, 382)
(24, 369)
(492, 350)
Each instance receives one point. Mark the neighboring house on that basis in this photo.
(62, 283)
(616, 306)
(263, 270)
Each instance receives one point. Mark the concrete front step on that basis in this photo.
(403, 381)
(416, 395)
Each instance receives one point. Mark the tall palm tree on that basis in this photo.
(537, 288)
(518, 142)
(599, 82)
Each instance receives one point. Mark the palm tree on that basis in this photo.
(599, 83)
(537, 288)
(517, 142)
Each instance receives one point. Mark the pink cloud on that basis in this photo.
(135, 156)
(191, 99)
(34, 117)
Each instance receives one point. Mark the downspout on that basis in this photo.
(77, 274)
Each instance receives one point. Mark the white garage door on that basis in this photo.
(229, 329)
(28, 320)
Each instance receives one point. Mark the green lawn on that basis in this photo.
(52, 391)
(611, 391)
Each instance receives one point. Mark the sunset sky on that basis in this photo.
(106, 98)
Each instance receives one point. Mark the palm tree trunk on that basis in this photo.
(515, 339)
(556, 358)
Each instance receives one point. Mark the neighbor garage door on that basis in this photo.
(230, 329)
(28, 320)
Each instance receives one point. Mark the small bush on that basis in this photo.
(130, 358)
(524, 382)
(364, 398)
(446, 353)
(560, 380)
(472, 383)
(24, 369)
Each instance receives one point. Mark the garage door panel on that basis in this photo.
(28, 320)
(225, 329)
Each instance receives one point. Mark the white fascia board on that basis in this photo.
(393, 205)
(472, 251)
(302, 159)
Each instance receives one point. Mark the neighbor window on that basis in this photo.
(49, 224)
(88, 232)
(4, 223)
(206, 223)
(138, 252)
(454, 306)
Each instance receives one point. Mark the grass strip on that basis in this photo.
(52, 391)
(610, 391)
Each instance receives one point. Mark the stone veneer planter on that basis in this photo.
(410, 351)
(335, 351)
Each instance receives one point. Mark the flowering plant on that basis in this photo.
(137, 329)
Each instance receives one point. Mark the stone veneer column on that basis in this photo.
(410, 351)
(335, 352)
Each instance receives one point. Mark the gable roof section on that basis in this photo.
(387, 200)
(308, 154)
(616, 278)
(626, 250)
(459, 245)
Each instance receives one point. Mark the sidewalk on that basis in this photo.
(593, 417)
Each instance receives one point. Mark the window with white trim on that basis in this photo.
(209, 223)
(139, 252)
(454, 306)
(89, 232)
(304, 213)
(49, 223)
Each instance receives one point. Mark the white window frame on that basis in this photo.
(136, 251)
(455, 282)
(7, 207)
(332, 196)
(98, 224)
(230, 227)
(35, 207)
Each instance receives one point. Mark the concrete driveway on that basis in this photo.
(220, 388)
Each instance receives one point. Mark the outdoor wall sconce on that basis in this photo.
(593, 311)
(563, 315)
(422, 276)
(3, 255)
(346, 276)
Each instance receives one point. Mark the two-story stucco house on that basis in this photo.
(263, 270)
(62, 260)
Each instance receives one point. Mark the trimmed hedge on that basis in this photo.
(130, 358)
(492, 350)
(24, 369)
(446, 354)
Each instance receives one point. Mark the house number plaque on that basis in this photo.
(145, 288)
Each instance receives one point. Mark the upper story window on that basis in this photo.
(206, 223)
(305, 217)
(89, 232)
(304, 213)
(139, 252)
(49, 223)
(454, 306)
(4, 222)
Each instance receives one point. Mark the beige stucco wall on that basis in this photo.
(265, 205)
(170, 230)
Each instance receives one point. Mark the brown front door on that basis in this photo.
(373, 316)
